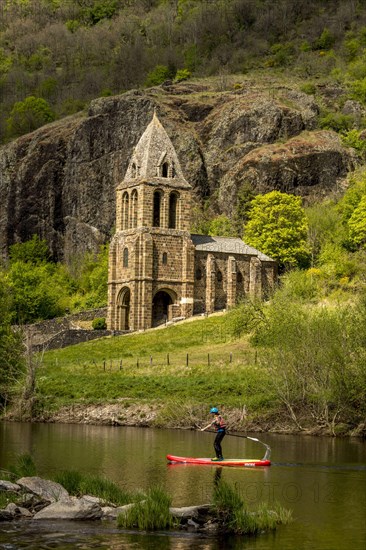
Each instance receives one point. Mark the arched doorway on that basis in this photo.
(124, 309)
(161, 307)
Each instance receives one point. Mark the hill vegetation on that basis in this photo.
(57, 55)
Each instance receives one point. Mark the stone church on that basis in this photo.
(158, 270)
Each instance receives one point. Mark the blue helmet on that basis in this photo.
(214, 410)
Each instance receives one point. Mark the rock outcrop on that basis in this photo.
(59, 181)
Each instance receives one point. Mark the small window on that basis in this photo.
(165, 170)
(133, 170)
(156, 212)
(239, 277)
(125, 257)
(198, 274)
(165, 258)
(219, 276)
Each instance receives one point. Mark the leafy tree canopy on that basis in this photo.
(28, 115)
(278, 227)
(35, 251)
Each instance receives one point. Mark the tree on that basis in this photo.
(28, 115)
(12, 364)
(357, 225)
(277, 226)
(35, 251)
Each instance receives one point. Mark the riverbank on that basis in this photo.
(170, 378)
(161, 415)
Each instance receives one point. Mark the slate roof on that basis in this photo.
(228, 245)
(153, 149)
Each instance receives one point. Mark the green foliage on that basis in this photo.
(308, 88)
(325, 41)
(35, 251)
(182, 74)
(34, 298)
(157, 76)
(221, 226)
(24, 466)
(354, 138)
(357, 224)
(281, 55)
(311, 355)
(277, 226)
(353, 195)
(79, 484)
(234, 516)
(28, 115)
(102, 9)
(12, 364)
(336, 121)
(99, 323)
(151, 514)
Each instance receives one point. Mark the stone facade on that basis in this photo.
(158, 270)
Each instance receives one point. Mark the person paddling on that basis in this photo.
(220, 426)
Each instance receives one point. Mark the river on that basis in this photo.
(322, 480)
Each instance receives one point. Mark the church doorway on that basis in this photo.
(162, 307)
(124, 309)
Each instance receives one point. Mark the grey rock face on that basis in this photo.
(8, 486)
(47, 490)
(59, 181)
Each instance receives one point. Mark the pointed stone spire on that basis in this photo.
(154, 158)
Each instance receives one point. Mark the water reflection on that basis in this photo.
(321, 480)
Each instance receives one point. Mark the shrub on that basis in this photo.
(182, 74)
(28, 115)
(157, 76)
(150, 514)
(78, 484)
(99, 323)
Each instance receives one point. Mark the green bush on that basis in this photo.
(28, 115)
(182, 74)
(99, 323)
(151, 514)
(157, 76)
(79, 484)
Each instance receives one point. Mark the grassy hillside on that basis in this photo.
(194, 364)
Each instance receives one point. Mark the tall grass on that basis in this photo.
(24, 466)
(79, 484)
(234, 517)
(151, 514)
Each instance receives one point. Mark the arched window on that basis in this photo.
(134, 208)
(239, 277)
(156, 212)
(125, 257)
(165, 170)
(219, 276)
(173, 202)
(165, 258)
(125, 204)
(198, 274)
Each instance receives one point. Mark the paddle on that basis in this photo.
(267, 455)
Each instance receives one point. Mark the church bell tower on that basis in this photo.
(151, 262)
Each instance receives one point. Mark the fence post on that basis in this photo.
(187, 360)
(167, 359)
(137, 362)
(231, 357)
(104, 365)
(208, 359)
(120, 365)
(151, 360)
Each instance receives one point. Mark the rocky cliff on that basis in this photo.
(59, 181)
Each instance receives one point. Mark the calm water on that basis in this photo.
(322, 480)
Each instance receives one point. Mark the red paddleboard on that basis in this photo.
(247, 462)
